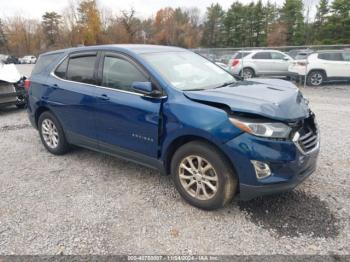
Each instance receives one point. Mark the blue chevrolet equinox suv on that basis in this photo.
(171, 109)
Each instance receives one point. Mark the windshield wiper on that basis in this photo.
(226, 84)
(194, 89)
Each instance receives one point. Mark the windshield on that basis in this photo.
(188, 71)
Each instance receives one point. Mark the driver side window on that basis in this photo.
(119, 74)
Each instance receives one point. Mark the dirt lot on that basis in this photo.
(87, 202)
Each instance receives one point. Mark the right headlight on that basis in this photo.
(262, 128)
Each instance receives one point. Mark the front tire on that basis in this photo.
(203, 176)
(315, 78)
(51, 134)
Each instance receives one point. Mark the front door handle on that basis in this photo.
(104, 97)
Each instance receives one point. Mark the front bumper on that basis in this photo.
(289, 166)
(248, 192)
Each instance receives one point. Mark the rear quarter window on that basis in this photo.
(61, 69)
(331, 56)
(43, 62)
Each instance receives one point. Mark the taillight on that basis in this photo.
(235, 62)
(27, 84)
(302, 63)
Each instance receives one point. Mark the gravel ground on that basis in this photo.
(90, 203)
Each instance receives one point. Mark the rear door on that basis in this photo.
(126, 121)
(71, 94)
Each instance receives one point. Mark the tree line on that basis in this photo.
(242, 25)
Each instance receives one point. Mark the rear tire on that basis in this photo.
(51, 134)
(247, 73)
(203, 176)
(316, 78)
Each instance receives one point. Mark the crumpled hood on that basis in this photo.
(274, 100)
(9, 73)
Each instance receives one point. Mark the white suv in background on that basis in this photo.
(28, 59)
(323, 66)
(260, 62)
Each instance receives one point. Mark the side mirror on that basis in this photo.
(145, 88)
(285, 58)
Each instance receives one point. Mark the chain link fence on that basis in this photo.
(313, 65)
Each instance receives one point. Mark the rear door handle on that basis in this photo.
(104, 97)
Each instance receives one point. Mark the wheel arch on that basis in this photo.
(248, 67)
(184, 139)
(38, 112)
(317, 69)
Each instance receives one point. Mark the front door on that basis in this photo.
(126, 121)
(280, 63)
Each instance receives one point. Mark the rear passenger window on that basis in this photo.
(81, 69)
(120, 74)
(262, 55)
(61, 69)
(331, 56)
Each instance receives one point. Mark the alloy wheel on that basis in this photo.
(247, 74)
(198, 177)
(50, 133)
(316, 79)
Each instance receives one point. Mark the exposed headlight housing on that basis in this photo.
(261, 128)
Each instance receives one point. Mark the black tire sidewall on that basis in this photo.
(250, 70)
(227, 182)
(308, 80)
(62, 143)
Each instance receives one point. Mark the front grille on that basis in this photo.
(308, 135)
(308, 141)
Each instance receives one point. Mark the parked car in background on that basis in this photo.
(171, 109)
(12, 91)
(3, 58)
(260, 62)
(222, 65)
(323, 66)
(303, 54)
(224, 59)
(28, 59)
(299, 53)
(11, 60)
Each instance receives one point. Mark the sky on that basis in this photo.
(144, 8)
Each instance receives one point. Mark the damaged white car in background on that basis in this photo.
(12, 91)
